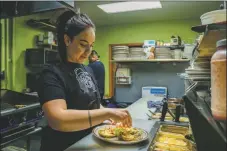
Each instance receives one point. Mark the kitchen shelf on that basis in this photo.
(207, 46)
(41, 24)
(51, 46)
(214, 26)
(152, 60)
(212, 34)
(171, 47)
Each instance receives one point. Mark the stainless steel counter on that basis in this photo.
(91, 143)
(138, 111)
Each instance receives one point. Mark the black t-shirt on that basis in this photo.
(75, 84)
(99, 72)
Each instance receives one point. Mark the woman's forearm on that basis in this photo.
(75, 120)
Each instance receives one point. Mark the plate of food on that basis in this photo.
(120, 135)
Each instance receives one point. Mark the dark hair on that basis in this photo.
(93, 52)
(72, 24)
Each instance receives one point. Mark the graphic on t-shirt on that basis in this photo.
(84, 80)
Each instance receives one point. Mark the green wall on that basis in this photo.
(132, 33)
(23, 38)
(6, 56)
(3, 52)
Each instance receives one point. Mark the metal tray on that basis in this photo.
(183, 128)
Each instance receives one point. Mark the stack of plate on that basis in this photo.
(162, 53)
(198, 74)
(137, 53)
(120, 52)
(199, 70)
(201, 63)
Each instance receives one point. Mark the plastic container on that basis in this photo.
(218, 82)
(177, 54)
(213, 17)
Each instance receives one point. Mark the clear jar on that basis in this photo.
(218, 82)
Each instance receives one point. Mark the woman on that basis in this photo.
(68, 93)
(99, 71)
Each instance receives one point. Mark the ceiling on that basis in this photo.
(170, 11)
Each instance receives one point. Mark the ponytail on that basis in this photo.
(62, 20)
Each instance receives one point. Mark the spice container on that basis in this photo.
(218, 82)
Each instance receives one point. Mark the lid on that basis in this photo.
(216, 12)
(221, 43)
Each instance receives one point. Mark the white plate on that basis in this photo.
(115, 140)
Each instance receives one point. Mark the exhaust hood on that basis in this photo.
(11, 9)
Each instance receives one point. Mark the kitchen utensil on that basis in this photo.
(151, 112)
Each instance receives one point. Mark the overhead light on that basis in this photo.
(129, 6)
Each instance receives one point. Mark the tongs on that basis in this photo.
(151, 112)
(165, 109)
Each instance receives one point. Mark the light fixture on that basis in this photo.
(129, 6)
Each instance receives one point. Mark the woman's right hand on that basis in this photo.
(120, 115)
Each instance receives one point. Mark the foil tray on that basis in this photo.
(167, 134)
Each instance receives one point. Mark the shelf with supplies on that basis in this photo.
(131, 53)
(214, 26)
(41, 24)
(51, 46)
(212, 34)
(150, 60)
(171, 47)
(198, 96)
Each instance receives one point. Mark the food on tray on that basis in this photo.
(174, 129)
(171, 141)
(174, 135)
(171, 138)
(123, 133)
(164, 147)
(169, 117)
(159, 115)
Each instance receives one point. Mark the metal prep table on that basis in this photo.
(138, 112)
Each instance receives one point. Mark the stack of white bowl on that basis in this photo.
(199, 69)
(120, 52)
(137, 53)
(163, 53)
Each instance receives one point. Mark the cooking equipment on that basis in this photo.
(20, 114)
(37, 57)
(175, 115)
(218, 81)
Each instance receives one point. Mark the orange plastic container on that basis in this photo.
(218, 82)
